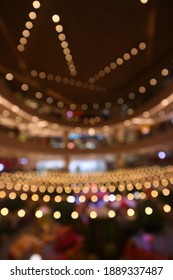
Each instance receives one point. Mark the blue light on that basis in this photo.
(1, 167)
(161, 155)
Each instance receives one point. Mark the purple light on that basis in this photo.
(1, 166)
(161, 155)
(23, 161)
(69, 114)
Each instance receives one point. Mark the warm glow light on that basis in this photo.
(21, 213)
(4, 211)
(23, 196)
(57, 215)
(74, 215)
(2, 194)
(148, 210)
(142, 46)
(55, 18)
(94, 198)
(154, 193)
(144, 1)
(164, 72)
(59, 29)
(166, 192)
(35, 197)
(32, 15)
(46, 198)
(167, 208)
(111, 214)
(82, 198)
(57, 198)
(9, 76)
(36, 4)
(93, 214)
(153, 82)
(12, 195)
(39, 214)
(130, 212)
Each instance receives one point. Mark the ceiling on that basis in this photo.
(85, 63)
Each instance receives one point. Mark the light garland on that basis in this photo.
(121, 186)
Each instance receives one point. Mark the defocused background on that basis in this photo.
(86, 128)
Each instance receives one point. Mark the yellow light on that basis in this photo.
(94, 198)
(28, 25)
(2, 194)
(130, 196)
(134, 51)
(39, 214)
(148, 210)
(21, 213)
(154, 193)
(147, 185)
(142, 89)
(59, 29)
(36, 4)
(156, 184)
(142, 195)
(12, 195)
(142, 46)
(23, 196)
(164, 182)
(164, 72)
(59, 189)
(121, 188)
(50, 189)
(57, 215)
(119, 61)
(17, 187)
(111, 214)
(144, 1)
(130, 212)
(55, 18)
(153, 82)
(26, 33)
(42, 189)
(35, 197)
(20, 48)
(93, 214)
(129, 187)
(103, 189)
(106, 198)
(166, 192)
(46, 198)
(57, 198)
(126, 56)
(32, 15)
(82, 198)
(9, 76)
(167, 208)
(118, 197)
(4, 211)
(74, 215)
(68, 190)
(33, 188)
(112, 188)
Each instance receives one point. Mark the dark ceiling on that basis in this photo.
(115, 49)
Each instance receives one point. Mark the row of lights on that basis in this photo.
(28, 26)
(66, 81)
(82, 198)
(64, 45)
(142, 90)
(94, 180)
(92, 214)
(114, 64)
